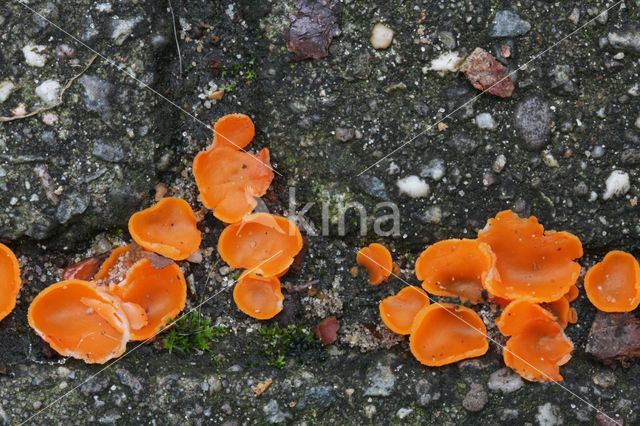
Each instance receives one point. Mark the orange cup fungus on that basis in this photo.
(456, 268)
(399, 311)
(168, 228)
(262, 243)
(377, 259)
(563, 312)
(229, 179)
(444, 333)
(115, 258)
(84, 270)
(613, 285)
(532, 264)
(80, 320)
(537, 346)
(259, 297)
(161, 293)
(9, 280)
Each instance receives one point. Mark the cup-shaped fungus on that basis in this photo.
(538, 351)
(377, 259)
(443, 333)
(233, 131)
(399, 311)
(9, 280)
(537, 346)
(118, 256)
(563, 312)
(259, 297)
(572, 294)
(532, 264)
(456, 268)
(80, 320)
(168, 228)
(613, 285)
(84, 270)
(262, 243)
(162, 294)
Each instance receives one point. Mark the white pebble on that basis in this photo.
(48, 91)
(381, 36)
(413, 186)
(617, 184)
(447, 62)
(6, 87)
(638, 122)
(499, 163)
(485, 121)
(549, 160)
(33, 55)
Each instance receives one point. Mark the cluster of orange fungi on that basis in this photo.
(514, 263)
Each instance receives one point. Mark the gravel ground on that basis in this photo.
(564, 146)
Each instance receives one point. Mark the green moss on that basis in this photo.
(192, 333)
(277, 343)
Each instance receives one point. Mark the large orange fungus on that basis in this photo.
(399, 311)
(457, 268)
(443, 333)
(9, 280)
(161, 293)
(377, 259)
(613, 285)
(532, 264)
(168, 228)
(259, 297)
(262, 243)
(79, 319)
(229, 179)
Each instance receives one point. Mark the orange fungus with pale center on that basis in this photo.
(445, 333)
(399, 311)
(161, 293)
(262, 243)
(233, 131)
(9, 280)
(168, 228)
(259, 297)
(456, 268)
(532, 264)
(80, 320)
(613, 285)
(377, 259)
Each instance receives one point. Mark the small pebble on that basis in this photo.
(604, 379)
(476, 398)
(413, 186)
(499, 163)
(34, 55)
(6, 88)
(48, 91)
(485, 121)
(381, 36)
(617, 184)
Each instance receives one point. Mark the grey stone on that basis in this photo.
(424, 394)
(95, 385)
(508, 24)
(129, 380)
(463, 143)
(561, 77)
(97, 94)
(71, 205)
(549, 415)
(435, 169)
(318, 396)
(627, 38)
(505, 381)
(372, 186)
(108, 150)
(273, 413)
(533, 120)
(605, 379)
(122, 28)
(476, 398)
(381, 381)
(344, 134)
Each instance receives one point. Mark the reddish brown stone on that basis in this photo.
(615, 338)
(327, 330)
(313, 28)
(486, 73)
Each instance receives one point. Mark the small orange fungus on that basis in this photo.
(233, 131)
(116, 257)
(168, 228)
(456, 268)
(259, 297)
(613, 285)
(84, 270)
(377, 259)
(564, 313)
(262, 243)
(9, 280)
(80, 320)
(443, 333)
(229, 179)
(572, 294)
(162, 294)
(532, 264)
(399, 311)
(538, 351)
(518, 314)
